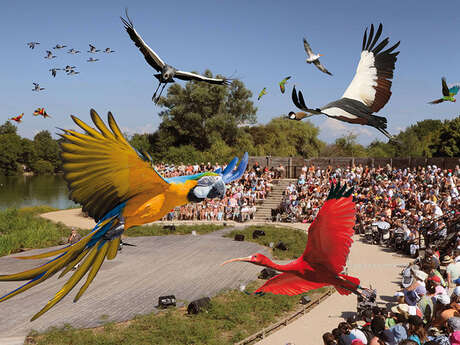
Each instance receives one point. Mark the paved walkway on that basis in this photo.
(374, 266)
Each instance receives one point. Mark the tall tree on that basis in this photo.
(10, 149)
(47, 149)
(448, 141)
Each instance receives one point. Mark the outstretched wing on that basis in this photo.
(193, 76)
(372, 81)
(321, 67)
(437, 101)
(103, 170)
(307, 48)
(300, 102)
(445, 89)
(150, 56)
(289, 284)
(453, 90)
(329, 236)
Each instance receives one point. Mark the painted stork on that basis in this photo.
(73, 51)
(167, 72)
(314, 58)
(448, 93)
(369, 90)
(37, 87)
(53, 71)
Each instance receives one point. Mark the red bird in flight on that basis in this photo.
(42, 112)
(17, 118)
(328, 245)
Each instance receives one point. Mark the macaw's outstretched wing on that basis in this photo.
(103, 170)
(231, 174)
(289, 284)
(453, 89)
(329, 236)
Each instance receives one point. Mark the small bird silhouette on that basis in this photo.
(92, 60)
(32, 44)
(68, 68)
(37, 87)
(17, 118)
(447, 93)
(41, 112)
(49, 55)
(263, 92)
(283, 84)
(92, 49)
(53, 71)
(108, 50)
(73, 51)
(59, 46)
(72, 72)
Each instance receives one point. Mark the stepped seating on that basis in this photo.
(264, 211)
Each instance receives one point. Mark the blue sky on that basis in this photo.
(260, 42)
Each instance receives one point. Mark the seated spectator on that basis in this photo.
(453, 328)
(443, 311)
(452, 270)
(74, 236)
(417, 331)
(438, 289)
(328, 339)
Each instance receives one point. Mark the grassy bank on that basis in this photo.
(294, 240)
(232, 316)
(160, 230)
(23, 228)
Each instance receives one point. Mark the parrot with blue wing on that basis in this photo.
(448, 93)
(120, 188)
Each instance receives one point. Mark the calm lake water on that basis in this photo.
(22, 191)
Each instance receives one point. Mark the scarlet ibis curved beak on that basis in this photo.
(245, 259)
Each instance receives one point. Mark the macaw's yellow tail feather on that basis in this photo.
(113, 248)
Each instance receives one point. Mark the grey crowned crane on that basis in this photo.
(167, 72)
(314, 58)
(32, 44)
(369, 90)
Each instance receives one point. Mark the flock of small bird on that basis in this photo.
(367, 93)
(68, 69)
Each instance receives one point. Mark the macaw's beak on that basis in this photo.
(217, 190)
(245, 259)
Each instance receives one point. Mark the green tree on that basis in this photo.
(448, 141)
(202, 114)
(416, 140)
(140, 142)
(47, 149)
(10, 149)
(380, 149)
(345, 146)
(29, 154)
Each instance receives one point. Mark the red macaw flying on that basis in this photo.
(119, 188)
(18, 118)
(42, 112)
(328, 246)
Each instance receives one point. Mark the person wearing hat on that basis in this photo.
(455, 299)
(400, 314)
(443, 311)
(438, 289)
(417, 331)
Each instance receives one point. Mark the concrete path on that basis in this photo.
(374, 266)
(186, 266)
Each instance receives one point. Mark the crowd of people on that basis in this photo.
(239, 203)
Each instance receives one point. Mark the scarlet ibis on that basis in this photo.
(448, 93)
(167, 72)
(18, 118)
(369, 90)
(314, 58)
(261, 93)
(325, 255)
(283, 84)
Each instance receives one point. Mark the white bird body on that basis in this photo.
(313, 58)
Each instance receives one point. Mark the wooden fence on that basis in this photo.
(270, 329)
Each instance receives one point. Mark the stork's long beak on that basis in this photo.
(245, 259)
(320, 55)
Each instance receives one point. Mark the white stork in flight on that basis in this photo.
(367, 93)
(167, 72)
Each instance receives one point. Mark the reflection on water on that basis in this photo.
(21, 191)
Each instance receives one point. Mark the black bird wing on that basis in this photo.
(193, 76)
(307, 48)
(321, 67)
(436, 101)
(445, 89)
(300, 102)
(150, 56)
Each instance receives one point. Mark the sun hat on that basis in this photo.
(443, 299)
(403, 309)
(435, 279)
(447, 260)
(407, 278)
(399, 294)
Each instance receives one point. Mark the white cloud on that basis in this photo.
(332, 129)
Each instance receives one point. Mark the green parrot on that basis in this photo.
(283, 84)
(447, 93)
(263, 92)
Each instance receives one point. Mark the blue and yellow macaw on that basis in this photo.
(119, 188)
